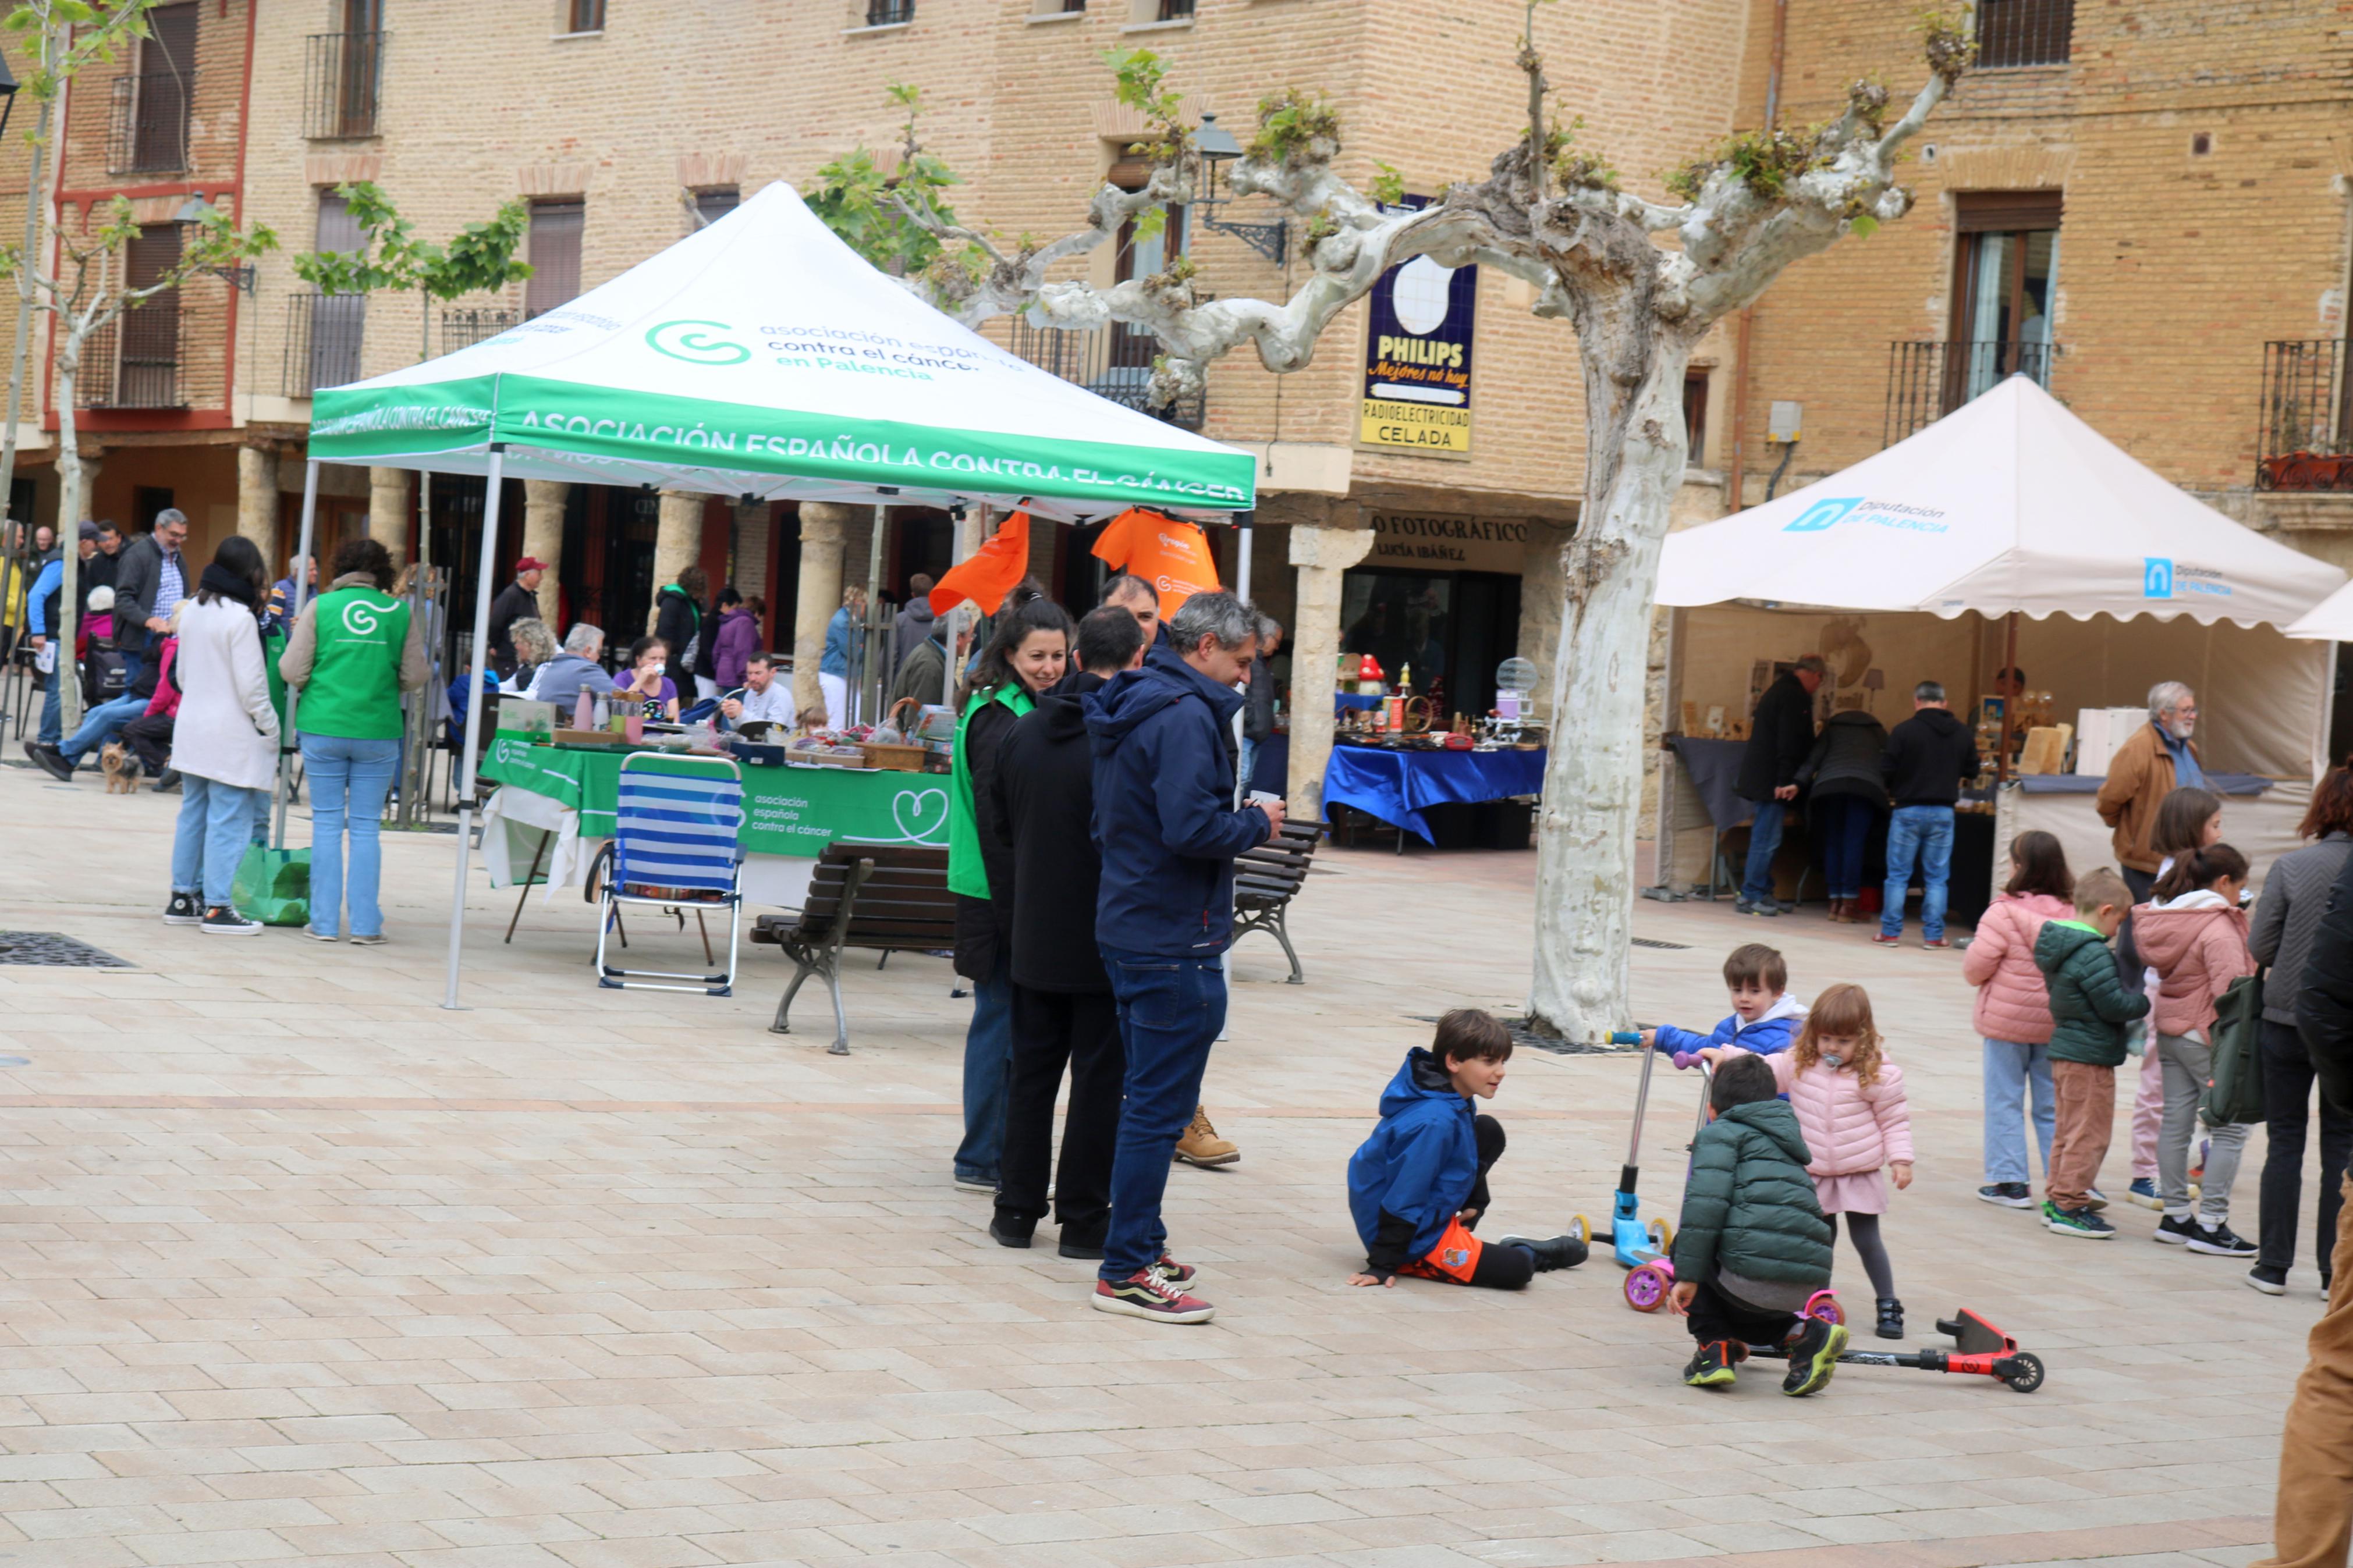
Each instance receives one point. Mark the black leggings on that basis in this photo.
(1499, 1267)
(1863, 1229)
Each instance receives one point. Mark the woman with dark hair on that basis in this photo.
(681, 622)
(1846, 798)
(1028, 652)
(354, 650)
(736, 640)
(2295, 895)
(650, 683)
(225, 744)
(2013, 1011)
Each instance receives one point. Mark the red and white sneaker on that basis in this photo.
(1177, 1274)
(1148, 1293)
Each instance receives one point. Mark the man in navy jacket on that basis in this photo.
(1164, 784)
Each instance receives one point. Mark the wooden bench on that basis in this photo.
(888, 897)
(1265, 881)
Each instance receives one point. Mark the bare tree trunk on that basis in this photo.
(69, 489)
(1593, 774)
(35, 168)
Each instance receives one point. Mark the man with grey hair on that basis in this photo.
(1929, 756)
(575, 670)
(2155, 760)
(1168, 831)
(148, 586)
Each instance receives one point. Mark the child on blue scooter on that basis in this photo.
(1765, 1016)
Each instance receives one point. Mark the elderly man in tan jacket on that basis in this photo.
(2156, 759)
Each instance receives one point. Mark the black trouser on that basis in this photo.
(2287, 1096)
(1715, 1316)
(150, 735)
(2130, 968)
(1499, 1267)
(1053, 1030)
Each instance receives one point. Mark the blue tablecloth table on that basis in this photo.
(1396, 785)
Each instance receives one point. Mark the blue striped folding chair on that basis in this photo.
(675, 846)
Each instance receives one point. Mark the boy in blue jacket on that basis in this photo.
(1765, 1016)
(1420, 1183)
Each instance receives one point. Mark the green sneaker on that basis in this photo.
(1711, 1367)
(2081, 1223)
(1814, 1356)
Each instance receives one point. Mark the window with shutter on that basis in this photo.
(555, 230)
(2024, 32)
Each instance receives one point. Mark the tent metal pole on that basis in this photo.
(1243, 563)
(878, 669)
(2009, 662)
(484, 569)
(301, 595)
(958, 555)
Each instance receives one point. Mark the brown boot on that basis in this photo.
(1838, 910)
(1202, 1146)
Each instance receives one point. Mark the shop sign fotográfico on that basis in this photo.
(1447, 541)
(1418, 341)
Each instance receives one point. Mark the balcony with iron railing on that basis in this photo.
(147, 127)
(1113, 361)
(1928, 380)
(343, 85)
(325, 335)
(132, 363)
(477, 324)
(2306, 440)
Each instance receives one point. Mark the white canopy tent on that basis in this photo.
(759, 357)
(2009, 508)
(2331, 620)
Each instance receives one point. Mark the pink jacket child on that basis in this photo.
(2197, 945)
(1850, 1130)
(2013, 1004)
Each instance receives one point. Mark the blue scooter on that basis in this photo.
(1632, 1241)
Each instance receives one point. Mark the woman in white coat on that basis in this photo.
(225, 743)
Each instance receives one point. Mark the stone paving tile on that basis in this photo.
(295, 1266)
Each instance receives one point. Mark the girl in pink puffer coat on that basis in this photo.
(1851, 1106)
(2013, 1011)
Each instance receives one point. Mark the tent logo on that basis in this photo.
(2155, 577)
(694, 347)
(1822, 514)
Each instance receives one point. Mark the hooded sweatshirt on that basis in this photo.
(1772, 1033)
(1928, 756)
(2089, 1004)
(2197, 945)
(1419, 1165)
(1164, 817)
(733, 646)
(2013, 1003)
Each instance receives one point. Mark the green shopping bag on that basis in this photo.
(273, 885)
(2234, 1085)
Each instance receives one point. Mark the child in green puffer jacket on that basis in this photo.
(1752, 1244)
(2089, 1009)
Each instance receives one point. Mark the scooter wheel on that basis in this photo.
(1582, 1228)
(1662, 1236)
(1821, 1304)
(1647, 1286)
(2025, 1372)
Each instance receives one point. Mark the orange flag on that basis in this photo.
(989, 572)
(1174, 557)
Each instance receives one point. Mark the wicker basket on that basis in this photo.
(900, 759)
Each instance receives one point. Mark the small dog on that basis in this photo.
(122, 764)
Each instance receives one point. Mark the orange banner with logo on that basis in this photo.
(1174, 557)
(989, 572)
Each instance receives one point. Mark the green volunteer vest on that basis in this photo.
(354, 685)
(966, 875)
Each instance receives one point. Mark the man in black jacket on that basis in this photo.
(1063, 1011)
(1930, 757)
(1781, 735)
(518, 601)
(149, 585)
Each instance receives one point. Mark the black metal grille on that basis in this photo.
(134, 362)
(147, 130)
(324, 334)
(2024, 32)
(889, 13)
(1928, 380)
(464, 329)
(1113, 362)
(2306, 442)
(55, 950)
(1176, 10)
(343, 85)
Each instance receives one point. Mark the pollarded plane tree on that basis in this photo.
(1639, 281)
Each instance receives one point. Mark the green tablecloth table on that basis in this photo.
(789, 812)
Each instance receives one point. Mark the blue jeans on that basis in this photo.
(52, 720)
(217, 821)
(1170, 1010)
(987, 1059)
(99, 726)
(2009, 1071)
(1846, 822)
(349, 781)
(1763, 843)
(1925, 832)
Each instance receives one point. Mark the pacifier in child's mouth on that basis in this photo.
(1833, 1063)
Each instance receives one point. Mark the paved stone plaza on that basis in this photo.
(297, 1267)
